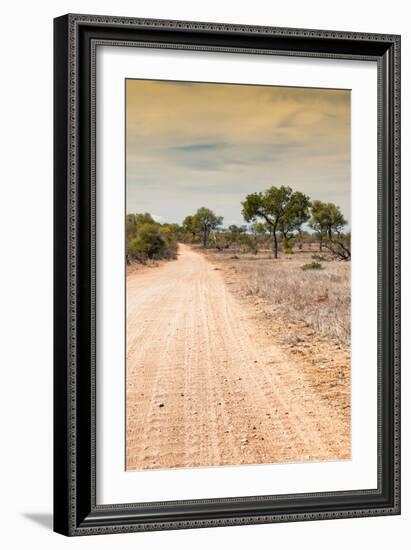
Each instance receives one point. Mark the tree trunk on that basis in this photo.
(204, 238)
(321, 242)
(275, 244)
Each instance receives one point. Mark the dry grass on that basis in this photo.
(306, 313)
(319, 298)
(148, 264)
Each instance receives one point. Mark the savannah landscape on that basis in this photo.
(238, 262)
(238, 347)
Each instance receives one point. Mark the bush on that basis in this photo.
(170, 235)
(312, 265)
(148, 243)
(318, 257)
(288, 247)
(147, 239)
(248, 244)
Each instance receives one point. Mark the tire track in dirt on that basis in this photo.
(206, 386)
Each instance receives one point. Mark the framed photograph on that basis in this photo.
(227, 278)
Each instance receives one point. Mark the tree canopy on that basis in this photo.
(278, 214)
(148, 239)
(283, 210)
(326, 219)
(202, 223)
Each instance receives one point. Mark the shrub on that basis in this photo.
(312, 265)
(288, 246)
(147, 239)
(248, 244)
(148, 243)
(170, 234)
(318, 257)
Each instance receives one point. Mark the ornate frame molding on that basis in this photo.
(76, 40)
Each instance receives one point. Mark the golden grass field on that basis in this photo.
(319, 298)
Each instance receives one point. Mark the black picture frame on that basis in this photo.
(76, 38)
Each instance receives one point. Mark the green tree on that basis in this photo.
(279, 207)
(334, 219)
(296, 213)
(133, 221)
(148, 239)
(131, 227)
(235, 233)
(259, 228)
(326, 219)
(205, 221)
(237, 229)
(189, 226)
(317, 221)
(144, 218)
(148, 243)
(171, 231)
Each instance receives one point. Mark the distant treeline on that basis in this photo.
(275, 218)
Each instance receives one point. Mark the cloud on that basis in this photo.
(214, 143)
(198, 147)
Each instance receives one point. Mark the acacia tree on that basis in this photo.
(282, 209)
(340, 247)
(205, 221)
(337, 243)
(334, 219)
(326, 219)
(236, 232)
(189, 226)
(317, 221)
(296, 213)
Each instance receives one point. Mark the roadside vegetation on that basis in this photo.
(292, 252)
(147, 239)
(278, 219)
(317, 297)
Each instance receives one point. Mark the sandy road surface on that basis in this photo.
(206, 385)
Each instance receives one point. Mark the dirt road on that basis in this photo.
(207, 386)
